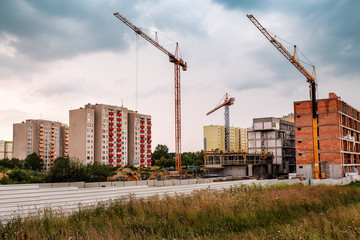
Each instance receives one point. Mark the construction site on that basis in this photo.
(320, 140)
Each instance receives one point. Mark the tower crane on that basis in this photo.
(310, 78)
(178, 62)
(227, 102)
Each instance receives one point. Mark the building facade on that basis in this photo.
(276, 136)
(339, 137)
(6, 149)
(139, 139)
(109, 135)
(42, 137)
(214, 138)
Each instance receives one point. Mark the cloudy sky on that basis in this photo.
(60, 55)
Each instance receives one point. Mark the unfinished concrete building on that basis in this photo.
(276, 136)
(339, 137)
(239, 164)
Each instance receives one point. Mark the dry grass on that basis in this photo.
(282, 212)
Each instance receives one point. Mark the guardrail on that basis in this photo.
(31, 199)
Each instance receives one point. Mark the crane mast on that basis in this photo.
(178, 62)
(310, 78)
(227, 102)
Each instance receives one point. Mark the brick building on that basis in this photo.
(339, 132)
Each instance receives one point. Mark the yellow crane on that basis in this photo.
(310, 78)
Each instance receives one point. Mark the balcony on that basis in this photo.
(52, 146)
(142, 155)
(111, 165)
(118, 165)
(142, 141)
(111, 124)
(41, 134)
(142, 136)
(148, 132)
(111, 160)
(118, 150)
(111, 113)
(118, 155)
(111, 129)
(111, 139)
(149, 160)
(149, 146)
(142, 145)
(142, 165)
(111, 155)
(149, 136)
(142, 126)
(111, 118)
(118, 114)
(148, 141)
(111, 144)
(142, 131)
(118, 145)
(118, 129)
(142, 160)
(142, 150)
(118, 134)
(41, 138)
(119, 140)
(148, 127)
(142, 121)
(118, 160)
(149, 151)
(111, 149)
(118, 119)
(149, 122)
(52, 127)
(118, 124)
(111, 134)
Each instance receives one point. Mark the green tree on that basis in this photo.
(19, 176)
(66, 170)
(165, 163)
(33, 162)
(98, 173)
(187, 159)
(160, 151)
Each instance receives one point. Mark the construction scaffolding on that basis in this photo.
(219, 159)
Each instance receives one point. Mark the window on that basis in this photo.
(299, 129)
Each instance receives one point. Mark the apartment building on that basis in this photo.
(42, 137)
(339, 137)
(276, 136)
(139, 131)
(6, 149)
(214, 138)
(110, 135)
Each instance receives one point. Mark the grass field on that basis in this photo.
(279, 212)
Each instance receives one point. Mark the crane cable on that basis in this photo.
(136, 70)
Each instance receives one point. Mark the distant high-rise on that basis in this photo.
(214, 138)
(6, 149)
(43, 137)
(109, 135)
